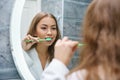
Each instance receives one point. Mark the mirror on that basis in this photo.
(15, 41)
(69, 15)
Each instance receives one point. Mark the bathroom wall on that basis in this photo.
(7, 67)
(74, 11)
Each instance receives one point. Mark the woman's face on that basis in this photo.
(46, 28)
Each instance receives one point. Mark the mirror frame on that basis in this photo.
(15, 41)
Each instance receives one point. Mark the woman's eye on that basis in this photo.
(43, 28)
(54, 28)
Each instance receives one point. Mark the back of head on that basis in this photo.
(102, 35)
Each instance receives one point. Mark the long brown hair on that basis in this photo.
(101, 33)
(32, 30)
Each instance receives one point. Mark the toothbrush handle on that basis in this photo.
(40, 40)
(80, 44)
(28, 40)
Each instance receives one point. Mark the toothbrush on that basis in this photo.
(49, 39)
(40, 40)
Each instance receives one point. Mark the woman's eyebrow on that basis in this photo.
(53, 25)
(44, 24)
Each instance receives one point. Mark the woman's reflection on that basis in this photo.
(39, 54)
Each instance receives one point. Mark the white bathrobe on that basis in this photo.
(34, 63)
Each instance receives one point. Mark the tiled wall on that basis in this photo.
(71, 14)
(74, 11)
(7, 67)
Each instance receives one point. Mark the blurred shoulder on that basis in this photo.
(77, 75)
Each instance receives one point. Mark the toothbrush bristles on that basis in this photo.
(48, 39)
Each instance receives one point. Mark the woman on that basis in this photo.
(100, 57)
(39, 54)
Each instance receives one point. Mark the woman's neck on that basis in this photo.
(41, 49)
(42, 54)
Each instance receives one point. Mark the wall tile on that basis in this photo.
(7, 67)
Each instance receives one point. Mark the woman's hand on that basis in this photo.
(27, 45)
(64, 50)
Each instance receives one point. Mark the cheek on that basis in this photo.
(55, 33)
(40, 33)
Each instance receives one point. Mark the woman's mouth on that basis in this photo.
(48, 39)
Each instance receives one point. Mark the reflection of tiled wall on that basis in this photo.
(74, 11)
(7, 67)
(73, 16)
(84, 1)
(71, 12)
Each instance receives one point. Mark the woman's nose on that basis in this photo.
(49, 32)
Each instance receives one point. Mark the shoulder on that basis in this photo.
(27, 56)
(77, 75)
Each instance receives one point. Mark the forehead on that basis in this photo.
(47, 20)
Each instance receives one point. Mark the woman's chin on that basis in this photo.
(49, 43)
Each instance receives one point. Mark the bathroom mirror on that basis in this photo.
(15, 40)
(69, 14)
(22, 14)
